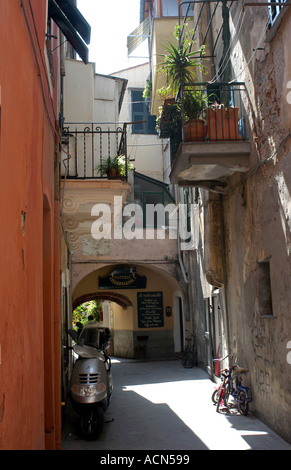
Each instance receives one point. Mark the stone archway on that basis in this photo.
(119, 299)
(130, 309)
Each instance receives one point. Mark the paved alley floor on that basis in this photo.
(159, 405)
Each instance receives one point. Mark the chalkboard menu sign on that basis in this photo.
(150, 309)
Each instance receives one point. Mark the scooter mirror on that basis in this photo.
(73, 334)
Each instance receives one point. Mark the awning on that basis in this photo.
(72, 24)
(136, 38)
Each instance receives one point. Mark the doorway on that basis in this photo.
(213, 330)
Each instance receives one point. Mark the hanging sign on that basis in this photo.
(124, 277)
(150, 309)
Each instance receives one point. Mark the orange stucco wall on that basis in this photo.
(29, 302)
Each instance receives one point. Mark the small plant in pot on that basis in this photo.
(114, 167)
(194, 103)
(108, 167)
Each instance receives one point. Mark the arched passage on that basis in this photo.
(119, 299)
(143, 302)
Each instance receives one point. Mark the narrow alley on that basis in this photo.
(159, 405)
(145, 162)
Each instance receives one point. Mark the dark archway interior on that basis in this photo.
(120, 299)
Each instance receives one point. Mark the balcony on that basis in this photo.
(207, 150)
(95, 170)
(95, 152)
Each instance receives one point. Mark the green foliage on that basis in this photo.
(194, 104)
(147, 89)
(179, 61)
(165, 92)
(117, 163)
(82, 312)
(121, 165)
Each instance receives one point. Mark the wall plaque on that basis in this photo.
(124, 277)
(150, 309)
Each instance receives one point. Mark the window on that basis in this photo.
(264, 288)
(145, 122)
(150, 191)
(171, 8)
(274, 9)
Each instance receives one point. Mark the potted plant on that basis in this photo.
(194, 102)
(114, 167)
(122, 163)
(222, 123)
(180, 62)
(108, 167)
(168, 118)
(166, 94)
(180, 65)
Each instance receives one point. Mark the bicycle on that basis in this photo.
(188, 359)
(221, 393)
(231, 385)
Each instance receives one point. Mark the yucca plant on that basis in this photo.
(179, 61)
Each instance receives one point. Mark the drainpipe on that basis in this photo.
(211, 40)
(185, 277)
(62, 75)
(226, 73)
(225, 309)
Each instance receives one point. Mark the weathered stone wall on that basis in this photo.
(257, 212)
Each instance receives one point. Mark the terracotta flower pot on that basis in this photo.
(195, 130)
(223, 124)
(112, 173)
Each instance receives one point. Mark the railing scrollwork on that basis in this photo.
(92, 147)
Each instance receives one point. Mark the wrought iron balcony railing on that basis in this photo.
(205, 112)
(95, 150)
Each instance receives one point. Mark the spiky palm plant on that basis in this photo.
(180, 61)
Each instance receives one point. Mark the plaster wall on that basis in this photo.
(144, 150)
(29, 343)
(89, 97)
(162, 34)
(256, 214)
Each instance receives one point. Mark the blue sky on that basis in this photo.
(111, 22)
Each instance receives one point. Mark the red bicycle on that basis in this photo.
(231, 385)
(221, 394)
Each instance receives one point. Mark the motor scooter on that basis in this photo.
(91, 382)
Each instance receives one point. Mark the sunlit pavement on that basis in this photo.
(159, 405)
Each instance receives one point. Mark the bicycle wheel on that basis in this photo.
(242, 402)
(214, 396)
(220, 399)
(188, 360)
(226, 394)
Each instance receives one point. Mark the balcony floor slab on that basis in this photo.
(208, 163)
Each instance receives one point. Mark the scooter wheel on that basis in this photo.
(92, 421)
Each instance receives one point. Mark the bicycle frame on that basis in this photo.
(231, 378)
(235, 389)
